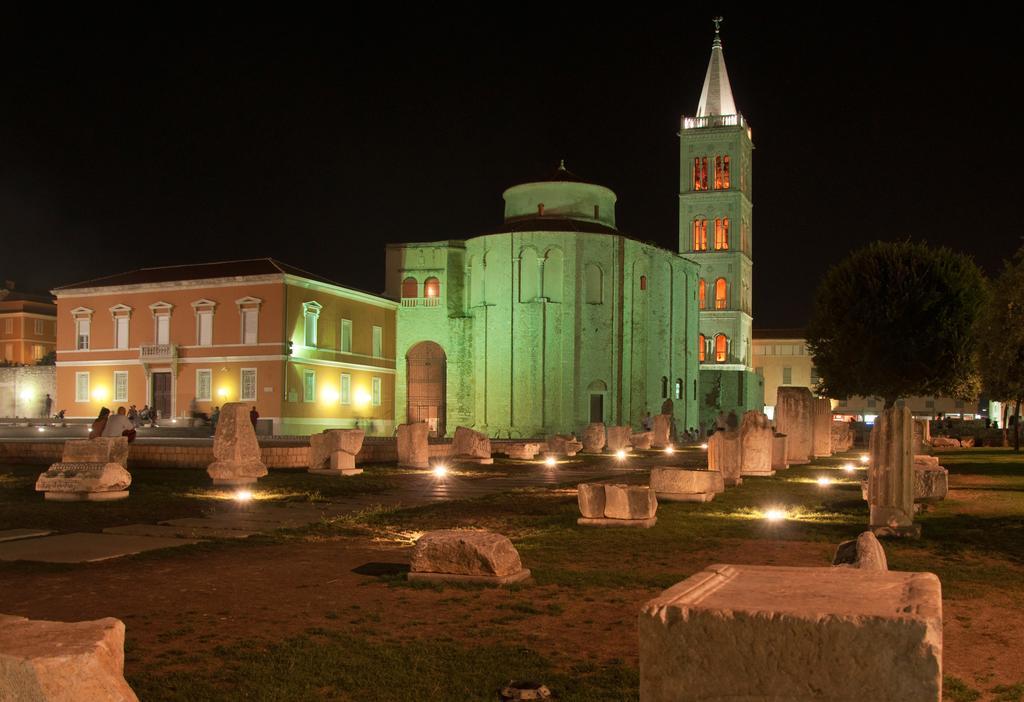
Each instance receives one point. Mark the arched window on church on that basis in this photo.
(702, 347)
(721, 295)
(721, 348)
(722, 234)
(702, 294)
(594, 285)
(664, 388)
(718, 172)
(410, 288)
(725, 172)
(529, 275)
(700, 234)
(431, 290)
(643, 282)
(679, 389)
(553, 275)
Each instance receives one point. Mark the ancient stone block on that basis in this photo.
(864, 552)
(945, 442)
(591, 497)
(891, 474)
(736, 632)
(682, 485)
(931, 481)
(564, 445)
(98, 450)
(471, 445)
(779, 458)
(724, 451)
(629, 502)
(235, 449)
(619, 438)
(522, 450)
(822, 426)
(335, 450)
(413, 447)
(468, 553)
(922, 435)
(756, 437)
(842, 437)
(88, 482)
(662, 431)
(793, 417)
(594, 438)
(642, 441)
(44, 661)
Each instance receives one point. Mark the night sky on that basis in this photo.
(145, 140)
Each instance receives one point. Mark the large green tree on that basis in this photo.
(897, 319)
(1001, 340)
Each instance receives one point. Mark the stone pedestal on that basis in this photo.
(619, 438)
(779, 447)
(842, 437)
(43, 661)
(522, 450)
(724, 456)
(756, 437)
(235, 448)
(922, 435)
(931, 481)
(465, 555)
(594, 438)
(90, 470)
(616, 505)
(822, 426)
(793, 417)
(662, 431)
(891, 474)
(413, 446)
(682, 485)
(564, 445)
(642, 441)
(736, 632)
(333, 452)
(470, 446)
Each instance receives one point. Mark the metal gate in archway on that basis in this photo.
(426, 379)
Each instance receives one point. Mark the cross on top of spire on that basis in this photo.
(718, 21)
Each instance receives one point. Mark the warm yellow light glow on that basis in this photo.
(330, 395)
(775, 515)
(222, 393)
(670, 449)
(440, 471)
(551, 461)
(362, 397)
(42, 428)
(26, 394)
(704, 446)
(824, 482)
(864, 458)
(620, 454)
(243, 495)
(99, 394)
(849, 467)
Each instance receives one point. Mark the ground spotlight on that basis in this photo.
(775, 515)
(849, 467)
(670, 449)
(824, 482)
(550, 461)
(620, 454)
(440, 471)
(864, 458)
(704, 446)
(243, 495)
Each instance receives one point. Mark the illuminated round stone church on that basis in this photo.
(557, 318)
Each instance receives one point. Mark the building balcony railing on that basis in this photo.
(706, 121)
(158, 352)
(421, 302)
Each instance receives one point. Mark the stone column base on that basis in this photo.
(519, 577)
(331, 471)
(606, 522)
(910, 531)
(86, 496)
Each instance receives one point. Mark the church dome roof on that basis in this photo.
(562, 196)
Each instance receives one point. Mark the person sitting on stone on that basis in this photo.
(99, 424)
(119, 425)
(214, 418)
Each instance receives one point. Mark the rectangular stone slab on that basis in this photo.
(83, 547)
(519, 577)
(18, 534)
(793, 633)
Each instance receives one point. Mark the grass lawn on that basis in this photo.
(324, 612)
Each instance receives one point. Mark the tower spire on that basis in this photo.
(716, 96)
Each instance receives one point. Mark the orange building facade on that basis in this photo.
(308, 353)
(28, 327)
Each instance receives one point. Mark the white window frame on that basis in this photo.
(120, 397)
(79, 395)
(248, 304)
(204, 307)
(38, 351)
(242, 397)
(378, 342)
(375, 394)
(82, 315)
(308, 393)
(208, 397)
(346, 336)
(310, 312)
(345, 389)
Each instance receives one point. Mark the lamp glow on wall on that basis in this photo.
(26, 394)
(99, 394)
(329, 396)
(362, 397)
(222, 393)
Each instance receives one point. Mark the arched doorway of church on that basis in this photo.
(426, 381)
(597, 391)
